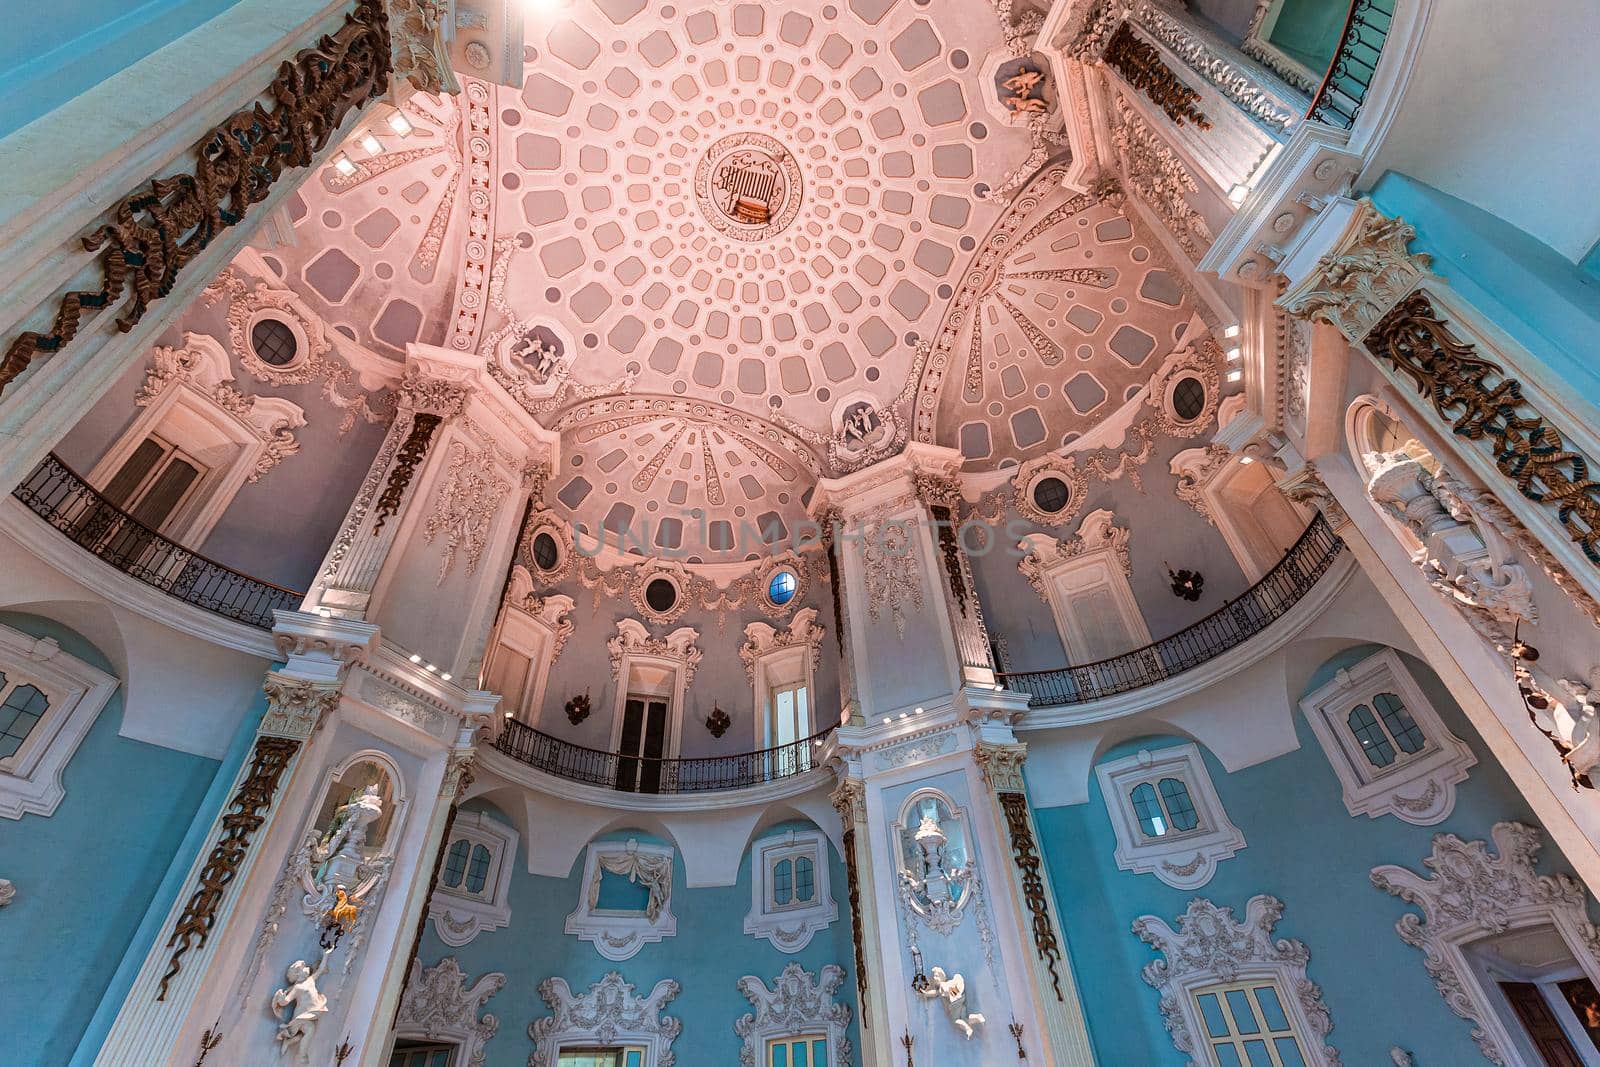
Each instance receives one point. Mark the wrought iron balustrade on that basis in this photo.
(1344, 87)
(56, 493)
(648, 774)
(1231, 625)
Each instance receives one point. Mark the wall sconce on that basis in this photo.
(718, 722)
(1186, 584)
(578, 708)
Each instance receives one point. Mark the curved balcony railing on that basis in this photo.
(1229, 626)
(1344, 88)
(56, 494)
(647, 774)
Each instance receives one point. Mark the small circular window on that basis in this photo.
(782, 587)
(1189, 398)
(546, 553)
(661, 595)
(274, 342)
(1050, 495)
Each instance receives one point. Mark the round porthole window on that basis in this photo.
(274, 342)
(1050, 495)
(546, 553)
(661, 595)
(782, 588)
(1189, 398)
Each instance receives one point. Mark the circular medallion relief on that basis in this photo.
(748, 186)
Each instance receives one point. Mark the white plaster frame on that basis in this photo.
(438, 1005)
(1096, 559)
(1210, 948)
(610, 1013)
(460, 915)
(1418, 788)
(779, 657)
(615, 935)
(677, 654)
(182, 410)
(797, 1004)
(1470, 894)
(30, 778)
(1183, 860)
(533, 626)
(790, 929)
(1205, 475)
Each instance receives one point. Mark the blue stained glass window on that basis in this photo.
(783, 881)
(1374, 742)
(478, 872)
(804, 884)
(1402, 727)
(1148, 810)
(455, 862)
(1180, 809)
(782, 588)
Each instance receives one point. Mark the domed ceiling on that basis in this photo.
(728, 249)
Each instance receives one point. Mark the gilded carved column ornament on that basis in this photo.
(942, 495)
(850, 801)
(406, 461)
(1480, 401)
(1025, 853)
(156, 231)
(1368, 272)
(1141, 66)
(247, 812)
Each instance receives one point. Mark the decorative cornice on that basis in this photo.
(633, 639)
(295, 706)
(438, 1003)
(1043, 553)
(1369, 270)
(761, 640)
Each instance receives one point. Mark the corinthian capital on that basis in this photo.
(295, 706)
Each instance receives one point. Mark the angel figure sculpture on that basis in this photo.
(340, 849)
(307, 1005)
(952, 990)
(1023, 81)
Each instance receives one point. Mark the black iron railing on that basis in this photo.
(645, 774)
(1344, 88)
(56, 494)
(1228, 627)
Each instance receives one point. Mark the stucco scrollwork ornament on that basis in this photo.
(1305, 486)
(1210, 58)
(8, 891)
(1210, 947)
(892, 569)
(1025, 483)
(1097, 533)
(619, 936)
(1159, 177)
(610, 1013)
(1368, 273)
(1195, 467)
(761, 639)
(797, 1003)
(1201, 360)
(439, 1004)
(416, 39)
(465, 508)
(1472, 892)
(937, 873)
(633, 639)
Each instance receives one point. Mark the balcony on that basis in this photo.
(1225, 629)
(1343, 89)
(58, 495)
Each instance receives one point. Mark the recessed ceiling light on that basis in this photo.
(371, 144)
(1235, 374)
(415, 658)
(1233, 353)
(1231, 331)
(400, 124)
(1246, 459)
(342, 164)
(446, 677)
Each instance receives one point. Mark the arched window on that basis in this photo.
(455, 862)
(23, 707)
(1164, 808)
(783, 882)
(782, 587)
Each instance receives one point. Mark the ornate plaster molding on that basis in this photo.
(633, 639)
(1195, 467)
(1211, 947)
(1471, 893)
(1096, 533)
(1246, 89)
(1368, 272)
(1159, 177)
(798, 1002)
(619, 937)
(416, 41)
(761, 639)
(892, 567)
(610, 1013)
(1201, 359)
(790, 927)
(438, 1004)
(465, 507)
(295, 706)
(1183, 859)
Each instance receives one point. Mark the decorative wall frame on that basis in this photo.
(1200, 359)
(530, 628)
(619, 936)
(634, 647)
(786, 561)
(790, 928)
(544, 521)
(1095, 566)
(798, 1003)
(675, 575)
(30, 778)
(438, 1005)
(1472, 893)
(1210, 947)
(936, 871)
(774, 657)
(1418, 788)
(610, 1013)
(1182, 859)
(1050, 465)
(459, 914)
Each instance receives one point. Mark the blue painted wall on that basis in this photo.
(1303, 847)
(86, 875)
(708, 956)
(46, 61)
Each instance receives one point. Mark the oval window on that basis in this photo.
(546, 553)
(1189, 398)
(661, 595)
(782, 587)
(274, 342)
(1051, 494)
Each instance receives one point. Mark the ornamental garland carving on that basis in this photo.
(761, 640)
(1209, 58)
(438, 1003)
(797, 1003)
(1026, 856)
(1159, 177)
(294, 706)
(142, 249)
(609, 1013)
(419, 52)
(892, 569)
(1141, 66)
(1471, 892)
(465, 507)
(1210, 946)
(1481, 402)
(1366, 274)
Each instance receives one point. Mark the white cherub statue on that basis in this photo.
(953, 991)
(309, 1005)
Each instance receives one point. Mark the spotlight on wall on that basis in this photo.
(1233, 353)
(400, 124)
(342, 164)
(415, 658)
(1247, 459)
(1235, 374)
(1231, 331)
(370, 144)
(446, 677)
(1237, 194)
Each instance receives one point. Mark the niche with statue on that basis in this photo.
(346, 854)
(936, 868)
